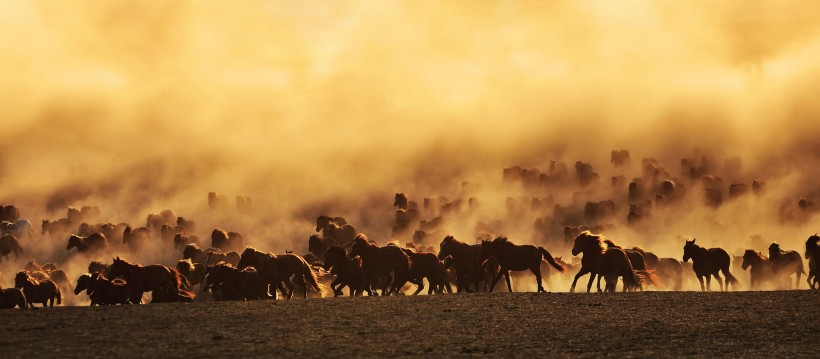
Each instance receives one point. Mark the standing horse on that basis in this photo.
(707, 263)
(336, 228)
(466, 264)
(785, 263)
(165, 284)
(88, 245)
(761, 269)
(12, 297)
(279, 269)
(380, 262)
(813, 255)
(8, 245)
(516, 258)
(603, 261)
(38, 291)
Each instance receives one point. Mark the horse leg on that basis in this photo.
(720, 281)
(708, 283)
(497, 278)
(700, 279)
(537, 273)
(507, 278)
(419, 286)
(580, 274)
(797, 280)
(599, 282)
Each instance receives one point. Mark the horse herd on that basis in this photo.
(338, 257)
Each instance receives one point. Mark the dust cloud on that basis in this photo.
(317, 107)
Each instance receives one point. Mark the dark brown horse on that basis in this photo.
(469, 270)
(785, 263)
(103, 291)
(135, 239)
(59, 227)
(181, 240)
(229, 283)
(516, 258)
(99, 267)
(9, 245)
(12, 297)
(38, 291)
(761, 269)
(9, 213)
(278, 270)
(164, 283)
(336, 228)
(380, 262)
(348, 271)
(707, 263)
(193, 272)
(813, 255)
(603, 261)
(92, 244)
(226, 241)
(318, 246)
(427, 266)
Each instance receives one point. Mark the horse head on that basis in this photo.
(689, 249)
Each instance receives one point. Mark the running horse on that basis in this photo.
(516, 258)
(708, 262)
(164, 283)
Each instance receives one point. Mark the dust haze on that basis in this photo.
(331, 107)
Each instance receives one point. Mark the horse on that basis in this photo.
(135, 238)
(785, 263)
(466, 264)
(427, 266)
(109, 292)
(38, 291)
(9, 245)
(348, 272)
(400, 201)
(226, 240)
(336, 228)
(193, 272)
(234, 284)
(670, 268)
(214, 256)
(380, 262)
(88, 245)
(12, 297)
(761, 270)
(164, 283)
(59, 227)
(180, 241)
(707, 263)
(813, 255)
(189, 225)
(604, 261)
(20, 228)
(516, 258)
(277, 270)
(194, 253)
(99, 267)
(319, 246)
(9, 213)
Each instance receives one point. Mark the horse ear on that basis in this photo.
(693, 240)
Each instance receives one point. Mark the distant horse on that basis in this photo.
(427, 266)
(194, 253)
(348, 272)
(20, 228)
(9, 213)
(469, 271)
(761, 269)
(38, 291)
(516, 258)
(12, 297)
(8, 245)
(226, 241)
(214, 256)
(278, 270)
(189, 225)
(785, 263)
(707, 263)
(92, 244)
(319, 246)
(380, 262)
(59, 227)
(400, 201)
(217, 201)
(165, 284)
(234, 284)
(603, 261)
(135, 238)
(180, 241)
(336, 228)
(99, 267)
(813, 255)
(194, 272)
(670, 269)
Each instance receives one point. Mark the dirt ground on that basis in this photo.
(738, 324)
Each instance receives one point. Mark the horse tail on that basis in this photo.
(546, 254)
(178, 282)
(632, 279)
(731, 279)
(58, 295)
(310, 278)
(648, 277)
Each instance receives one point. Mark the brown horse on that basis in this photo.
(214, 256)
(92, 244)
(318, 246)
(181, 240)
(226, 241)
(785, 263)
(761, 269)
(99, 267)
(135, 238)
(603, 261)
(380, 262)
(670, 270)
(164, 283)
(193, 272)
(348, 272)
(9, 245)
(278, 270)
(336, 228)
(12, 297)
(516, 258)
(38, 291)
(9, 213)
(813, 255)
(59, 227)
(707, 263)
(103, 291)
(427, 266)
(466, 264)
(229, 283)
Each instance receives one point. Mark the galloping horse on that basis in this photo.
(467, 266)
(336, 228)
(380, 262)
(707, 263)
(516, 258)
(604, 261)
(813, 255)
(785, 263)
(277, 270)
(164, 283)
(38, 291)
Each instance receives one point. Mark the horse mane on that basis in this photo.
(598, 238)
(756, 254)
(639, 249)
(611, 244)
(361, 237)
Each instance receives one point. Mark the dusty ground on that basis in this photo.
(742, 324)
